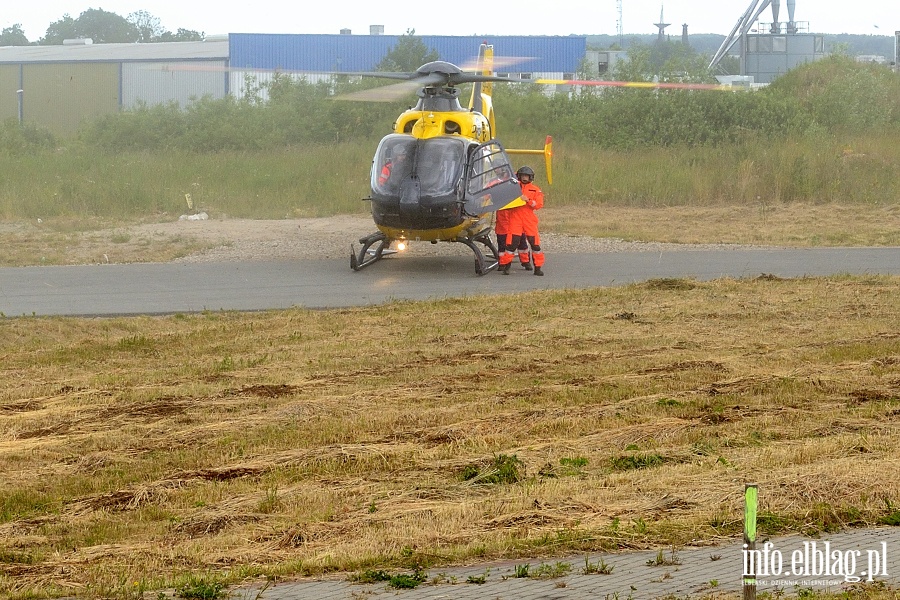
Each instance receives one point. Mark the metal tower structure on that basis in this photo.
(661, 25)
(620, 31)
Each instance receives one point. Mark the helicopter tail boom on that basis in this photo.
(482, 91)
(547, 153)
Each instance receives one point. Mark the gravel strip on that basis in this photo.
(331, 238)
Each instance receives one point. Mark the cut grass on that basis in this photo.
(149, 449)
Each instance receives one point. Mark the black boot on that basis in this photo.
(538, 271)
(505, 268)
(526, 266)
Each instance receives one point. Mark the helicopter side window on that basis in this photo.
(490, 167)
(393, 162)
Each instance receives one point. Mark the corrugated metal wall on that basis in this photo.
(9, 85)
(299, 52)
(59, 96)
(153, 83)
(546, 54)
(254, 84)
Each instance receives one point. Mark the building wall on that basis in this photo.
(601, 64)
(66, 84)
(59, 96)
(151, 83)
(9, 85)
(897, 51)
(769, 56)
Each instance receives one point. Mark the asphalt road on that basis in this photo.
(103, 290)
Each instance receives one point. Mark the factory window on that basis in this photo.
(779, 43)
(524, 75)
(568, 75)
(502, 74)
(820, 45)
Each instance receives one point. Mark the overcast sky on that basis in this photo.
(529, 17)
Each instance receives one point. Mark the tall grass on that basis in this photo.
(81, 182)
(826, 132)
(851, 169)
(323, 180)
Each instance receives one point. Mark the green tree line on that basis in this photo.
(102, 27)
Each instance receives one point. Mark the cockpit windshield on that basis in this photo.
(436, 163)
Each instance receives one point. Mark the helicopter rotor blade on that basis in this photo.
(631, 84)
(386, 93)
(442, 73)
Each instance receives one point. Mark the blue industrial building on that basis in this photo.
(354, 53)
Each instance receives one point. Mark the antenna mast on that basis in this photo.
(619, 29)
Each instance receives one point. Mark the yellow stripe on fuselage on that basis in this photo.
(429, 235)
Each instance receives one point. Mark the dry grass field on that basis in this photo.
(138, 452)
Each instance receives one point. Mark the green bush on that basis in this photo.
(296, 113)
(831, 93)
(839, 92)
(16, 138)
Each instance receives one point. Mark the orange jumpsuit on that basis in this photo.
(385, 172)
(501, 228)
(523, 222)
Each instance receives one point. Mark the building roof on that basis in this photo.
(164, 51)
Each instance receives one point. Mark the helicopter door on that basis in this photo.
(491, 183)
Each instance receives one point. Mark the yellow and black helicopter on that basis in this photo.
(442, 174)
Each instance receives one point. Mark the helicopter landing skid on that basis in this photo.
(483, 264)
(367, 255)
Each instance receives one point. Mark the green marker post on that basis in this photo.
(751, 500)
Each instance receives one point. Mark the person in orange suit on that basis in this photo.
(523, 222)
(398, 157)
(501, 228)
